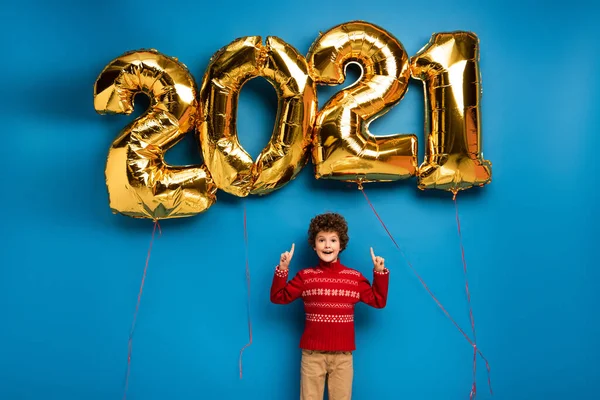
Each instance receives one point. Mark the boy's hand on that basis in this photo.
(378, 262)
(284, 261)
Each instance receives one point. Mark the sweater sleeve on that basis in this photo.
(376, 295)
(282, 292)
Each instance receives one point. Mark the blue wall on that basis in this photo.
(70, 270)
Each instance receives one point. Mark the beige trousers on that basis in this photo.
(336, 366)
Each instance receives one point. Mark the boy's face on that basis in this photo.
(327, 246)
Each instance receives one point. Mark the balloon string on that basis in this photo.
(471, 316)
(248, 291)
(439, 304)
(137, 307)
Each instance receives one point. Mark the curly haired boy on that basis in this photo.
(330, 291)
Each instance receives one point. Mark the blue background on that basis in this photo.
(70, 270)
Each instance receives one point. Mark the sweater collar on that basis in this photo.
(331, 266)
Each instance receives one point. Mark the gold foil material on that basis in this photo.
(344, 149)
(231, 167)
(140, 184)
(449, 68)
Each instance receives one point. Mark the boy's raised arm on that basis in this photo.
(282, 291)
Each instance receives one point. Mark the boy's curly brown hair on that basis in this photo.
(328, 222)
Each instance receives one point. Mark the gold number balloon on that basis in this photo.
(449, 68)
(232, 168)
(344, 149)
(140, 183)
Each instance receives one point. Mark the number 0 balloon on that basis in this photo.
(287, 152)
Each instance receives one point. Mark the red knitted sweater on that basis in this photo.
(329, 292)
